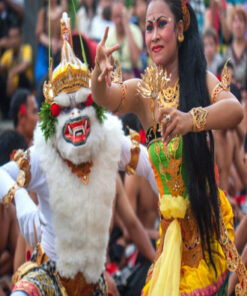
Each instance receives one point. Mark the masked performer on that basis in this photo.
(177, 111)
(72, 166)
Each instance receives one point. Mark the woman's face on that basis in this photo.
(161, 35)
(238, 27)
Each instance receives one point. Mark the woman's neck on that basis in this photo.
(172, 72)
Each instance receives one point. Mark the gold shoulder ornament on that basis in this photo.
(223, 85)
(134, 151)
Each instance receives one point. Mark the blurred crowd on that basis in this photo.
(30, 32)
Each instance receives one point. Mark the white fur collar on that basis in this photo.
(81, 213)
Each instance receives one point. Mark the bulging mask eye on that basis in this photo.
(62, 99)
(82, 95)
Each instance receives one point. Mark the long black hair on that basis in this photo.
(198, 152)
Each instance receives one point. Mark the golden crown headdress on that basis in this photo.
(71, 74)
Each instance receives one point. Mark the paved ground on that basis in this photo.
(5, 124)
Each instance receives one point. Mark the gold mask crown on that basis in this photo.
(71, 74)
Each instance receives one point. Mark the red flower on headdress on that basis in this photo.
(23, 110)
(89, 100)
(55, 109)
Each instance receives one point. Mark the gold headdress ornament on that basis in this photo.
(71, 74)
(186, 14)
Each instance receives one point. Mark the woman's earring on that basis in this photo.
(181, 38)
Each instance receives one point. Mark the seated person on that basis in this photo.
(15, 68)
(9, 140)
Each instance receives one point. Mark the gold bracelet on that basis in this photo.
(199, 116)
(8, 197)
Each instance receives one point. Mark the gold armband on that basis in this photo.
(223, 85)
(24, 176)
(8, 197)
(123, 96)
(117, 77)
(218, 88)
(134, 151)
(199, 116)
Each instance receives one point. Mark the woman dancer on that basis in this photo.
(194, 214)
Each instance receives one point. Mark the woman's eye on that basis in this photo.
(149, 28)
(162, 23)
(80, 105)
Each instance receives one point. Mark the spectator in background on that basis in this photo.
(11, 14)
(17, 6)
(139, 18)
(129, 38)
(93, 17)
(24, 112)
(216, 16)
(15, 68)
(214, 59)
(86, 16)
(237, 51)
(42, 28)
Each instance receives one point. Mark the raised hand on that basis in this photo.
(103, 59)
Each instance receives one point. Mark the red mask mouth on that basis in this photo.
(76, 131)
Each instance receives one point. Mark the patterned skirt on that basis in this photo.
(38, 277)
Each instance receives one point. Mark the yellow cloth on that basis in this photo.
(166, 274)
(8, 62)
(202, 277)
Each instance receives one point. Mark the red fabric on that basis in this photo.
(89, 100)
(240, 199)
(28, 255)
(112, 268)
